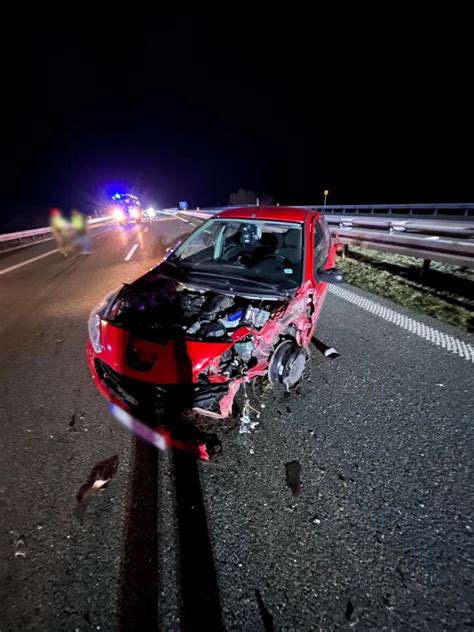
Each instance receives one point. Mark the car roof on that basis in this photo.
(279, 213)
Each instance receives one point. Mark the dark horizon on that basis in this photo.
(177, 105)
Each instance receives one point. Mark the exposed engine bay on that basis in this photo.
(197, 314)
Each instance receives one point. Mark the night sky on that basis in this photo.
(185, 104)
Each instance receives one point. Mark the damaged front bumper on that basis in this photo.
(152, 400)
(155, 411)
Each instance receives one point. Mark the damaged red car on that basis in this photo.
(238, 299)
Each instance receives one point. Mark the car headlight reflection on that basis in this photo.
(96, 315)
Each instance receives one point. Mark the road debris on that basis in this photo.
(72, 421)
(99, 478)
(351, 615)
(267, 618)
(293, 477)
(349, 609)
(328, 352)
(20, 548)
(247, 424)
(343, 478)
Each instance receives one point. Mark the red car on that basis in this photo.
(239, 298)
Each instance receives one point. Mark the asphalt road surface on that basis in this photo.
(377, 539)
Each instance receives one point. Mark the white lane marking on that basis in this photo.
(146, 229)
(459, 347)
(104, 230)
(24, 263)
(130, 253)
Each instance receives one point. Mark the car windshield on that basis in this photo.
(256, 252)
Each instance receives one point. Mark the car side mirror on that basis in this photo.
(333, 275)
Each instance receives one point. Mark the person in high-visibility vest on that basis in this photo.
(61, 231)
(79, 223)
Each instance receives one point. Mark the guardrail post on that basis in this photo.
(425, 268)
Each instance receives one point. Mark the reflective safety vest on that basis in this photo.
(58, 223)
(79, 222)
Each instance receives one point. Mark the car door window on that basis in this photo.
(321, 244)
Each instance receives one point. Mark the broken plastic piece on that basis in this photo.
(293, 477)
(101, 474)
(245, 425)
(328, 352)
(20, 549)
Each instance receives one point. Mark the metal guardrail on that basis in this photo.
(448, 211)
(455, 228)
(458, 252)
(12, 241)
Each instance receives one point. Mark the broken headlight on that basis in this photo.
(96, 316)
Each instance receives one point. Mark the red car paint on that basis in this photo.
(165, 360)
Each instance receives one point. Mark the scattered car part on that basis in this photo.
(293, 477)
(328, 352)
(99, 477)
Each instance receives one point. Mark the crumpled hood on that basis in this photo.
(166, 331)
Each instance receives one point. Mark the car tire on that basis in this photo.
(287, 364)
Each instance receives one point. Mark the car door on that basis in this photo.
(321, 251)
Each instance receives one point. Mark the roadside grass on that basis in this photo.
(446, 292)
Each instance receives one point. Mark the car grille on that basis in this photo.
(150, 399)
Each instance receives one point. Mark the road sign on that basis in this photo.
(183, 206)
